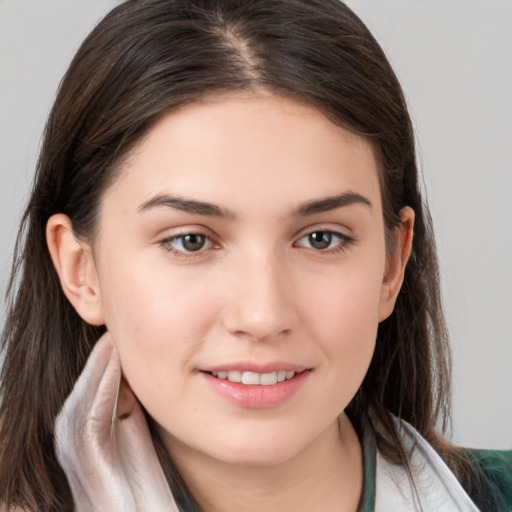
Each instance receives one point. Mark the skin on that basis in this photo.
(258, 290)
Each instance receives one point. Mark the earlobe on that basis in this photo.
(74, 263)
(397, 261)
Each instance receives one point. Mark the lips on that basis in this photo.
(251, 389)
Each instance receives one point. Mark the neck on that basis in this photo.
(327, 475)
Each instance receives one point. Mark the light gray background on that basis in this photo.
(454, 59)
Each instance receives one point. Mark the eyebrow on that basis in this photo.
(212, 210)
(331, 203)
(188, 206)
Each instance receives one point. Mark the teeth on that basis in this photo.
(267, 379)
(255, 379)
(250, 378)
(234, 376)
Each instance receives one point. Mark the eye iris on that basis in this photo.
(320, 239)
(193, 242)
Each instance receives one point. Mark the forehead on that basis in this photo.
(239, 149)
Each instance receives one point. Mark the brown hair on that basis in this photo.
(148, 57)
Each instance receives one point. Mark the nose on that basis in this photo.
(261, 301)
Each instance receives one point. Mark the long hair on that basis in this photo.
(147, 58)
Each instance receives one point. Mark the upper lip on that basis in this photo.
(252, 366)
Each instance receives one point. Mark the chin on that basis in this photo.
(238, 447)
(258, 448)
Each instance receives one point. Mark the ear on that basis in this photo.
(74, 263)
(396, 263)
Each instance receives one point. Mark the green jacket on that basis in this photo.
(495, 469)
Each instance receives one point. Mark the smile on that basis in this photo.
(256, 390)
(255, 379)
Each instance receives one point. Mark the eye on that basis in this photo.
(187, 243)
(324, 240)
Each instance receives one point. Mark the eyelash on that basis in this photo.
(166, 244)
(343, 243)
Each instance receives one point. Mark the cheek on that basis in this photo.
(344, 320)
(344, 302)
(157, 320)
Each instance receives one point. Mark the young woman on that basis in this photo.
(227, 200)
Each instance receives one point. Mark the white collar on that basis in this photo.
(435, 487)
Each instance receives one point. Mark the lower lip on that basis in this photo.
(257, 397)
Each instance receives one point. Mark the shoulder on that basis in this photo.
(495, 470)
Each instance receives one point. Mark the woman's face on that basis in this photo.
(244, 239)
